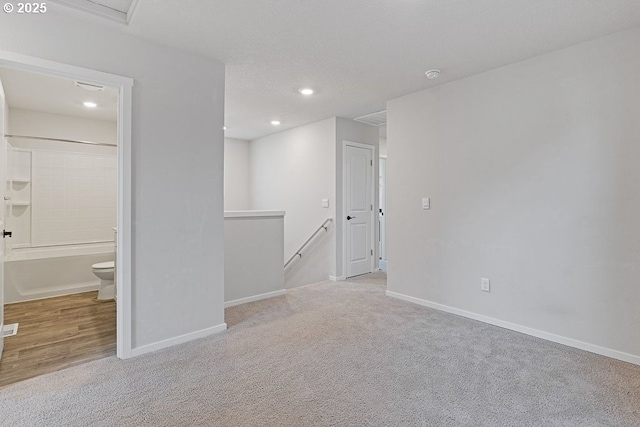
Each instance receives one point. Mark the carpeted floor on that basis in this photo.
(339, 354)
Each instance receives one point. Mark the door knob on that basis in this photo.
(6, 233)
(350, 217)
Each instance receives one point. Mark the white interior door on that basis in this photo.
(3, 186)
(359, 210)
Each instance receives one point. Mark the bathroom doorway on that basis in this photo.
(66, 131)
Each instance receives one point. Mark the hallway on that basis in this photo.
(339, 353)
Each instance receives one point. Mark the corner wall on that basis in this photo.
(533, 171)
(177, 167)
(293, 171)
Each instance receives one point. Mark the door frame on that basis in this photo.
(124, 215)
(382, 171)
(3, 219)
(343, 212)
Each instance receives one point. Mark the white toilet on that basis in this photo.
(105, 272)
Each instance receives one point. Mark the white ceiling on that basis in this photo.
(358, 54)
(56, 95)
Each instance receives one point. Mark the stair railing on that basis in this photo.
(325, 226)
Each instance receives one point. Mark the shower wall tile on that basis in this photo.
(18, 215)
(74, 198)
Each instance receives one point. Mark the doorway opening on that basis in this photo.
(65, 144)
(359, 226)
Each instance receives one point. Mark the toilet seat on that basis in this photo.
(103, 265)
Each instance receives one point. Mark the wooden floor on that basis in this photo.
(57, 333)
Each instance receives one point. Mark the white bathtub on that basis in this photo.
(35, 273)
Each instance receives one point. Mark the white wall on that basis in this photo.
(37, 123)
(236, 175)
(293, 171)
(253, 256)
(534, 176)
(177, 166)
(383, 147)
(349, 130)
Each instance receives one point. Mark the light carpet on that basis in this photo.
(340, 354)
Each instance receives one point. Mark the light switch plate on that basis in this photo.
(426, 203)
(325, 203)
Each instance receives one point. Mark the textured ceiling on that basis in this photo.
(358, 54)
(30, 91)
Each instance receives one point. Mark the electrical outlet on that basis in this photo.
(485, 285)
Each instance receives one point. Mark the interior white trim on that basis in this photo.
(374, 179)
(254, 298)
(124, 85)
(181, 339)
(97, 9)
(124, 280)
(29, 63)
(132, 9)
(603, 351)
(337, 278)
(253, 214)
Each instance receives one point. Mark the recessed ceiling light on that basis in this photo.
(306, 91)
(224, 128)
(275, 122)
(432, 74)
(90, 104)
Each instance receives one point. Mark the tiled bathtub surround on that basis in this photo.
(74, 198)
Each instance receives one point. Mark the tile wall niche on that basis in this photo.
(18, 207)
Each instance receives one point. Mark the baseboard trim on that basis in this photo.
(337, 278)
(139, 351)
(81, 288)
(254, 298)
(603, 351)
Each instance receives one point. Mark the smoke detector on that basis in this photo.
(432, 74)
